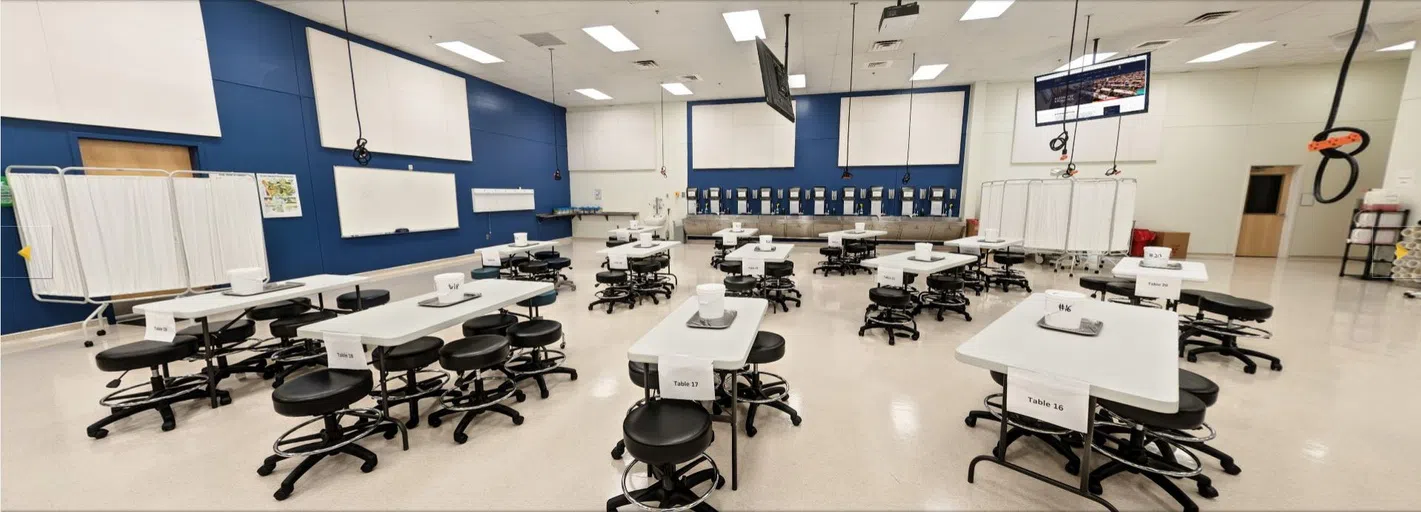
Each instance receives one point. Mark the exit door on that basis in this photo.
(1265, 208)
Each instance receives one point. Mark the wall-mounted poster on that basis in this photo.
(279, 196)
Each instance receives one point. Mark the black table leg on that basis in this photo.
(207, 356)
(734, 430)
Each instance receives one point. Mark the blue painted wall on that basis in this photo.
(262, 79)
(816, 155)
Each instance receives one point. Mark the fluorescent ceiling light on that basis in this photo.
(676, 88)
(594, 94)
(1086, 60)
(744, 25)
(1407, 46)
(984, 9)
(1232, 51)
(459, 47)
(612, 38)
(928, 71)
(796, 81)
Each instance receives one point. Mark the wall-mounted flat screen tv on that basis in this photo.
(776, 81)
(1112, 88)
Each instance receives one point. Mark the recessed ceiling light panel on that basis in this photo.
(796, 81)
(986, 9)
(594, 94)
(744, 25)
(1232, 51)
(477, 55)
(928, 71)
(1403, 47)
(676, 88)
(612, 38)
(1086, 60)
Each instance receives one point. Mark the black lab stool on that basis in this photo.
(671, 437)
(327, 395)
(408, 378)
(534, 360)
(765, 388)
(474, 358)
(160, 392)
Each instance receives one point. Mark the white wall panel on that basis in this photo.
(636, 190)
(405, 108)
(124, 64)
(880, 129)
(1094, 140)
(740, 136)
(612, 139)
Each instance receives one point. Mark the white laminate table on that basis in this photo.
(201, 306)
(509, 248)
(739, 233)
(905, 261)
(849, 234)
(1133, 361)
(780, 252)
(727, 349)
(400, 322)
(1189, 271)
(636, 249)
(633, 232)
(990, 246)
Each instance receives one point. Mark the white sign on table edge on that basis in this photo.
(617, 261)
(160, 327)
(754, 267)
(685, 378)
(890, 276)
(1157, 287)
(1050, 398)
(344, 351)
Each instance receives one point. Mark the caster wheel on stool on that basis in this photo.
(1073, 468)
(1096, 489)
(970, 421)
(412, 423)
(1192, 358)
(390, 433)
(1208, 491)
(1232, 469)
(1277, 367)
(98, 433)
(543, 393)
(617, 452)
(435, 422)
(282, 493)
(795, 420)
(517, 420)
(751, 431)
(573, 375)
(102, 332)
(461, 438)
(520, 396)
(88, 343)
(368, 466)
(266, 469)
(168, 426)
(1250, 369)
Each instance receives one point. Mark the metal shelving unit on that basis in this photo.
(1371, 261)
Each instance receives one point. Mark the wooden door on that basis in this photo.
(1264, 211)
(134, 155)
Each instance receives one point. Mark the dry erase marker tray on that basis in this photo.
(1088, 327)
(696, 322)
(1166, 266)
(433, 302)
(267, 288)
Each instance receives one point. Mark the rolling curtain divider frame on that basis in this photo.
(1065, 253)
(21, 219)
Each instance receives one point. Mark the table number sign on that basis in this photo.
(490, 258)
(685, 378)
(754, 267)
(160, 327)
(344, 351)
(890, 276)
(836, 240)
(1056, 400)
(727, 239)
(1157, 287)
(617, 261)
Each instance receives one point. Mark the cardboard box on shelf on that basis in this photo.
(1176, 241)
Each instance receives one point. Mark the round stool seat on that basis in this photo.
(484, 273)
(645, 266)
(732, 267)
(540, 300)
(321, 392)
(612, 277)
(286, 327)
(558, 263)
(238, 332)
(1000, 378)
(1199, 386)
(768, 348)
(890, 297)
(517, 260)
(1122, 288)
(1095, 283)
(533, 267)
(779, 268)
(944, 282)
(667, 431)
(855, 246)
(281, 309)
(643, 374)
(496, 323)
(1008, 258)
(1236, 307)
(1190, 415)
(908, 278)
(831, 251)
(414, 355)
(367, 299)
(616, 243)
(546, 255)
(1191, 296)
(474, 353)
(145, 354)
(740, 283)
(534, 333)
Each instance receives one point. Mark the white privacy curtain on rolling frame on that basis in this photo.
(221, 225)
(42, 218)
(1072, 218)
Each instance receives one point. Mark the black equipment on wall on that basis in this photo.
(1329, 150)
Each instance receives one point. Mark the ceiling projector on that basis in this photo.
(898, 19)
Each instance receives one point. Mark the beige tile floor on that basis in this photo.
(882, 425)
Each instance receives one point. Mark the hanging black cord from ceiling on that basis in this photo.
(1119, 122)
(908, 152)
(849, 126)
(1356, 134)
(663, 131)
(1059, 143)
(1070, 171)
(553, 87)
(361, 155)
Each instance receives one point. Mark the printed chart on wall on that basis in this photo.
(279, 196)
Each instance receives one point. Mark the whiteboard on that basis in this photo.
(121, 63)
(612, 139)
(881, 133)
(740, 136)
(1140, 134)
(386, 201)
(405, 108)
(503, 200)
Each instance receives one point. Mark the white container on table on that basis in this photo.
(735, 226)
(860, 226)
(447, 285)
(634, 224)
(643, 237)
(1063, 309)
(989, 235)
(923, 251)
(711, 299)
(520, 239)
(246, 280)
(765, 241)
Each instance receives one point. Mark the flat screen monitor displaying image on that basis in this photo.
(776, 81)
(1112, 88)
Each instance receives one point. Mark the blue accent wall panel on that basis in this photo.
(816, 154)
(262, 82)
